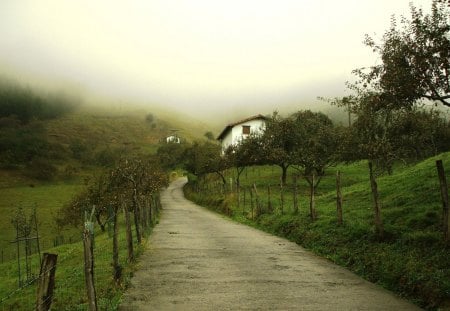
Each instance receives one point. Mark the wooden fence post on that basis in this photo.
(281, 196)
(312, 198)
(339, 198)
(152, 211)
(238, 193)
(245, 201)
(376, 204)
(117, 269)
(88, 243)
(251, 200)
(136, 214)
(269, 200)
(295, 196)
(129, 234)
(258, 205)
(444, 196)
(46, 282)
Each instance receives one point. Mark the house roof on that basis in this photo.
(231, 125)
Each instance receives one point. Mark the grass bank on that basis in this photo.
(70, 292)
(412, 260)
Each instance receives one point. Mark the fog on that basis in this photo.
(215, 60)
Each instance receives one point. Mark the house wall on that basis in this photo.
(173, 139)
(235, 135)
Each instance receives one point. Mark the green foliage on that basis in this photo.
(204, 157)
(106, 157)
(20, 144)
(171, 155)
(317, 142)
(209, 135)
(415, 59)
(41, 169)
(26, 105)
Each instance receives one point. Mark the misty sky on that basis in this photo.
(211, 56)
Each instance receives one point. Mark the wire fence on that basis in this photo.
(70, 290)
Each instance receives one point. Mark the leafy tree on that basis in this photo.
(171, 155)
(243, 154)
(277, 144)
(385, 135)
(150, 118)
(209, 135)
(415, 58)
(316, 146)
(205, 157)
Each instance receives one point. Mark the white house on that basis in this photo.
(235, 132)
(173, 139)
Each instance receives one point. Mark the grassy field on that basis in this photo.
(47, 199)
(412, 259)
(70, 293)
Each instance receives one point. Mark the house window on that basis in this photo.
(246, 129)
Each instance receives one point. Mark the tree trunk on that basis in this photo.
(284, 169)
(99, 221)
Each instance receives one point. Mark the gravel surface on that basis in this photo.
(199, 260)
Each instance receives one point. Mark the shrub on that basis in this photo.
(41, 169)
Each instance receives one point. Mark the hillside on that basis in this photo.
(81, 143)
(412, 259)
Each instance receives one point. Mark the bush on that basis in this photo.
(106, 157)
(41, 169)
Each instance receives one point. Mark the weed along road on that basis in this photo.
(198, 260)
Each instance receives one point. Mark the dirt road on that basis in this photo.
(198, 260)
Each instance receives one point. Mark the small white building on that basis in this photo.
(173, 139)
(235, 132)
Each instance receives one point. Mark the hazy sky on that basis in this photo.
(211, 56)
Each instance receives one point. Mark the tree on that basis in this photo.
(415, 60)
(171, 155)
(245, 153)
(209, 135)
(315, 149)
(384, 134)
(205, 157)
(277, 144)
(317, 144)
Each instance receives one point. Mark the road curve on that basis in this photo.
(199, 260)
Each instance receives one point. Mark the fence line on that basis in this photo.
(237, 196)
(144, 210)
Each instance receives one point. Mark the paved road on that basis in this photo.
(198, 260)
